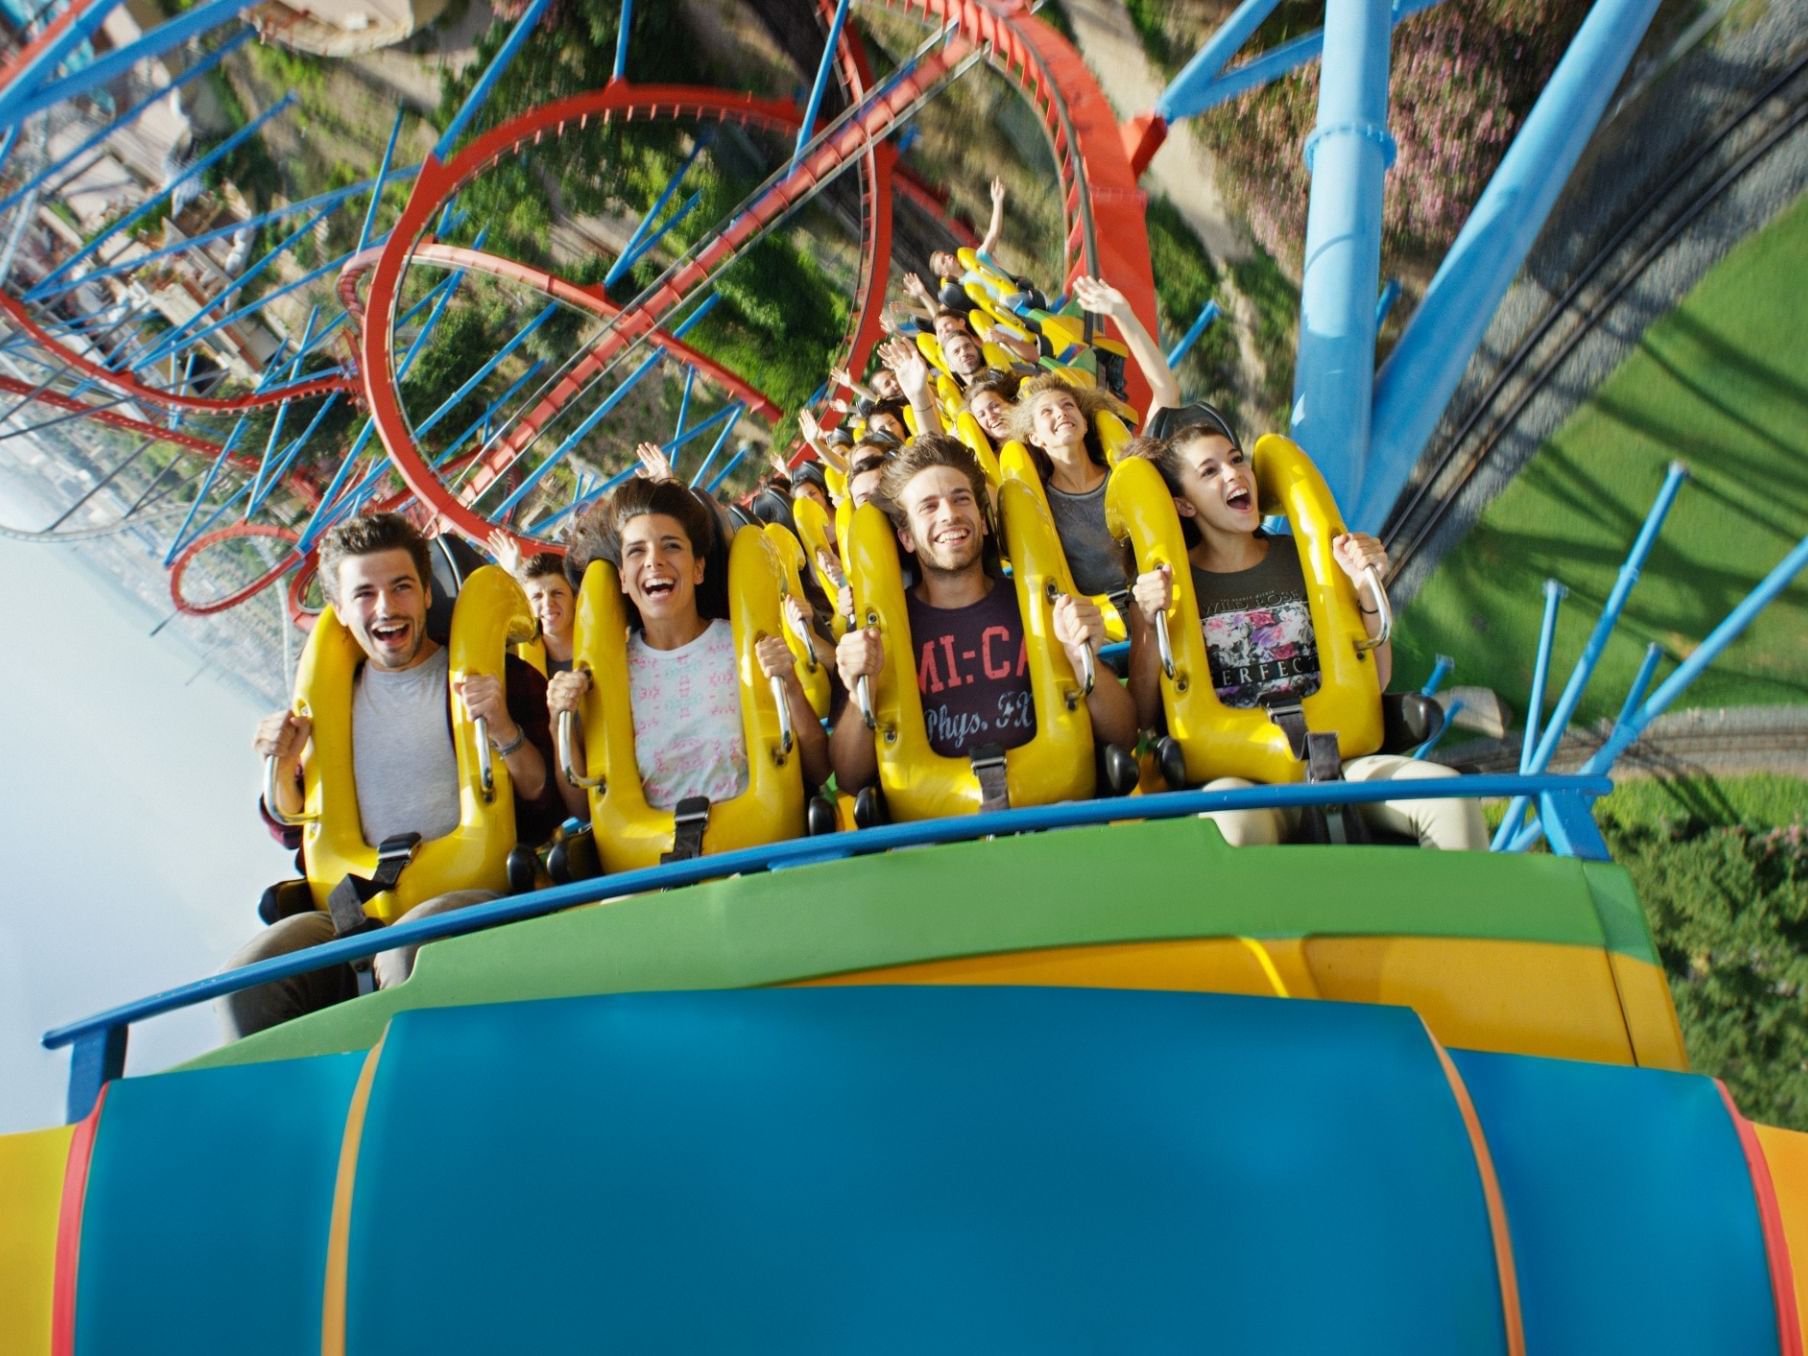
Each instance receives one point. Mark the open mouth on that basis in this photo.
(658, 588)
(389, 632)
(954, 536)
(1240, 500)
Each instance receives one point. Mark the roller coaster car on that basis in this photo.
(915, 782)
(1347, 717)
(477, 611)
(629, 833)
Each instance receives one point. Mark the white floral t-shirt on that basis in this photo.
(687, 718)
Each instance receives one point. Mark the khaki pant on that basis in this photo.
(1453, 825)
(267, 1005)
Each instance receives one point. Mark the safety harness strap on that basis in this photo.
(689, 820)
(348, 898)
(989, 767)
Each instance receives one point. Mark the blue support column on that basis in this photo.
(710, 457)
(33, 74)
(1439, 672)
(823, 67)
(684, 400)
(1348, 154)
(631, 251)
(1385, 302)
(376, 191)
(1596, 646)
(1423, 371)
(97, 1059)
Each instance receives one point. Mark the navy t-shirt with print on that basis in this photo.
(1258, 630)
(972, 672)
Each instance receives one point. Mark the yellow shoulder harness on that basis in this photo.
(490, 614)
(1222, 741)
(1016, 465)
(629, 832)
(918, 782)
(790, 557)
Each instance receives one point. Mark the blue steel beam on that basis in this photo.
(632, 257)
(126, 118)
(684, 401)
(486, 83)
(715, 448)
(630, 252)
(1195, 91)
(1385, 302)
(814, 107)
(1208, 316)
(1177, 100)
(1428, 362)
(144, 209)
(35, 72)
(1632, 723)
(621, 41)
(1439, 672)
(110, 64)
(1597, 643)
(589, 422)
(1347, 154)
(1541, 670)
(376, 191)
(728, 470)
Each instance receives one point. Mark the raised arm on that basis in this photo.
(995, 227)
(1101, 298)
(907, 361)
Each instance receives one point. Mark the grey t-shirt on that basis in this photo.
(402, 756)
(1096, 560)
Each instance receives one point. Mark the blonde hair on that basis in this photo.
(1091, 401)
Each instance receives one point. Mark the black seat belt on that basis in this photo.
(348, 898)
(1324, 763)
(689, 820)
(989, 767)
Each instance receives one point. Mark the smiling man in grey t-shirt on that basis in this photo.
(375, 573)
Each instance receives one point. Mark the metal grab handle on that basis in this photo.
(1088, 671)
(802, 632)
(1378, 591)
(780, 696)
(272, 805)
(566, 762)
(486, 772)
(863, 694)
(1163, 646)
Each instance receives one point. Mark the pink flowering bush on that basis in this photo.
(1462, 80)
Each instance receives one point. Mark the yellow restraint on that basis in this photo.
(533, 652)
(967, 429)
(918, 782)
(1223, 741)
(629, 832)
(815, 529)
(491, 613)
(790, 556)
(1016, 465)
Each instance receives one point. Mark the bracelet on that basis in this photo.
(1368, 611)
(504, 750)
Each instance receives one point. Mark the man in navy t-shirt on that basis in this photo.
(965, 626)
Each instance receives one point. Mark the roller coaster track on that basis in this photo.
(1415, 522)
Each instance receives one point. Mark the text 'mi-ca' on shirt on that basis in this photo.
(972, 672)
(687, 718)
(403, 763)
(1258, 630)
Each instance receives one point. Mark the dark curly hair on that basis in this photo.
(366, 535)
(596, 535)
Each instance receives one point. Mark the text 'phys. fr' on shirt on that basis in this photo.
(687, 718)
(1258, 630)
(972, 673)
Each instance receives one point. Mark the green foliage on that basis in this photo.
(1276, 303)
(1722, 869)
(1185, 279)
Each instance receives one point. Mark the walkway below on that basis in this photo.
(1183, 169)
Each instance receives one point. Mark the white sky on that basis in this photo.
(131, 853)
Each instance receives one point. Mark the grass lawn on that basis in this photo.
(1722, 383)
